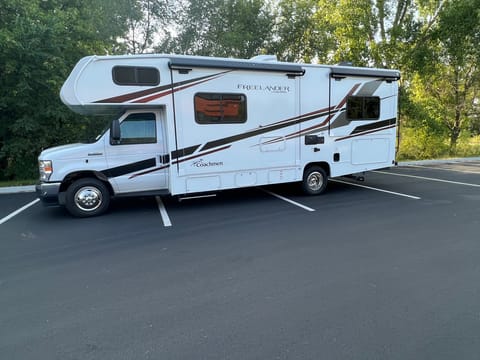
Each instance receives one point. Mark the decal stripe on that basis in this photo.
(149, 171)
(134, 95)
(366, 133)
(184, 152)
(129, 168)
(374, 125)
(318, 127)
(369, 88)
(350, 93)
(174, 90)
(142, 93)
(176, 162)
(202, 154)
(278, 125)
(314, 128)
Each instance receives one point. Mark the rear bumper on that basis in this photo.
(48, 193)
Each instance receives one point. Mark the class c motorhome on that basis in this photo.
(188, 124)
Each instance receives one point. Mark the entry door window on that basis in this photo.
(138, 129)
(363, 108)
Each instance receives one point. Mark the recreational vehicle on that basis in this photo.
(188, 124)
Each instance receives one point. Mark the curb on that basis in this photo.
(439, 161)
(17, 189)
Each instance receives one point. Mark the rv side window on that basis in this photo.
(214, 108)
(363, 107)
(138, 129)
(135, 75)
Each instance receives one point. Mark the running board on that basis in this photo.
(180, 199)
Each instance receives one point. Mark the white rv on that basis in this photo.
(187, 124)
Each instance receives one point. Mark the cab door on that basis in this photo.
(137, 161)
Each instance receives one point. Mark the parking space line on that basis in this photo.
(427, 178)
(163, 212)
(376, 189)
(16, 212)
(440, 168)
(288, 200)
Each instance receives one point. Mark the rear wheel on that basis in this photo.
(87, 197)
(315, 180)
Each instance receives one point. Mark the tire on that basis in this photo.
(87, 197)
(314, 181)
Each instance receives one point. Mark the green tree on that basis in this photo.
(40, 41)
(364, 32)
(301, 35)
(229, 28)
(456, 81)
(145, 20)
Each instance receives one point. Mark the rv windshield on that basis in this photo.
(104, 130)
(93, 128)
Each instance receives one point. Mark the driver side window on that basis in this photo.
(138, 129)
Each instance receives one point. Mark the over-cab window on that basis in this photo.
(363, 107)
(136, 75)
(138, 129)
(215, 108)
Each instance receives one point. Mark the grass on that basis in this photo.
(5, 183)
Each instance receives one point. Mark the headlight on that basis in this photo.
(46, 169)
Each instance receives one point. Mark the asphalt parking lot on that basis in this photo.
(387, 268)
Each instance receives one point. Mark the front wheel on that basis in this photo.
(315, 180)
(87, 197)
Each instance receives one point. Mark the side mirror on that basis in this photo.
(115, 134)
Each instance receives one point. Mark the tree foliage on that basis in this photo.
(229, 28)
(143, 19)
(40, 41)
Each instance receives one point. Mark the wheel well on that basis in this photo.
(324, 165)
(70, 178)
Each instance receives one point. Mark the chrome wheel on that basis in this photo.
(88, 198)
(315, 181)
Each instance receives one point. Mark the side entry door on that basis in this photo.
(136, 161)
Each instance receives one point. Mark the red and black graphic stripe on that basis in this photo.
(159, 91)
(177, 162)
(279, 125)
(201, 154)
(150, 171)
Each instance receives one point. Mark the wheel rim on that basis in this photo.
(315, 181)
(88, 198)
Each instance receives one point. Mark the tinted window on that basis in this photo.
(135, 75)
(215, 108)
(363, 107)
(138, 129)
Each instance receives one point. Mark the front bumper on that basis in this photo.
(48, 193)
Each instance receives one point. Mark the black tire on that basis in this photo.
(314, 181)
(87, 197)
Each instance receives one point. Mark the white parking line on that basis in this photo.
(448, 168)
(163, 212)
(427, 178)
(288, 200)
(376, 189)
(16, 212)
